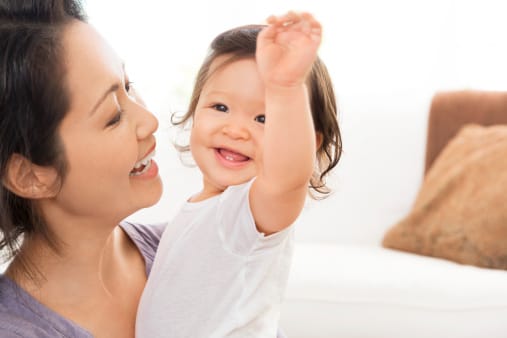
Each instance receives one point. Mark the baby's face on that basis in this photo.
(228, 125)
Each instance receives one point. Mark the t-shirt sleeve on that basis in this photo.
(237, 228)
(146, 237)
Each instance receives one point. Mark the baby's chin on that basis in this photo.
(238, 181)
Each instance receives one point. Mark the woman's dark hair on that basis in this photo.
(240, 43)
(33, 101)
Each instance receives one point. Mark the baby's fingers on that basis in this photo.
(315, 28)
(292, 21)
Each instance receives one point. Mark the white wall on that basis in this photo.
(387, 59)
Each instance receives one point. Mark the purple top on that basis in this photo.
(23, 316)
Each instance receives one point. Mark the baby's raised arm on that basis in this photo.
(286, 50)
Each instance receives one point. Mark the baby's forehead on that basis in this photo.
(232, 67)
(235, 82)
(223, 60)
(223, 64)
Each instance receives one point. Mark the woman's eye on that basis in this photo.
(221, 107)
(115, 120)
(128, 88)
(260, 118)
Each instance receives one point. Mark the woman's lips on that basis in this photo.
(145, 166)
(149, 170)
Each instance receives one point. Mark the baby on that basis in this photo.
(264, 129)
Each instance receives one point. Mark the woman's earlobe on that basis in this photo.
(319, 138)
(28, 180)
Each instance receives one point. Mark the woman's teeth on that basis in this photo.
(141, 170)
(143, 165)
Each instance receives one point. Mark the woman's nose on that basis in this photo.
(147, 123)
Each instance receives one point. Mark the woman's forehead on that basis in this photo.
(91, 64)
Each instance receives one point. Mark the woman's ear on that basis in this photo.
(28, 180)
(319, 138)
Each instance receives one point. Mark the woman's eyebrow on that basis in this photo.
(111, 89)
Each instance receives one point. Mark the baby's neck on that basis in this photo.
(203, 195)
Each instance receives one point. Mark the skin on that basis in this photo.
(230, 144)
(226, 137)
(97, 278)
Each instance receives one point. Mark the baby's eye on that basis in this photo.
(260, 118)
(221, 107)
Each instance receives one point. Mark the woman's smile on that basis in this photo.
(145, 167)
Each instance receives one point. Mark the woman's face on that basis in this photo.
(107, 136)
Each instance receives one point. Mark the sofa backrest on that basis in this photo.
(451, 110)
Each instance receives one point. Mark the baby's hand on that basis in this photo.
(287, 48)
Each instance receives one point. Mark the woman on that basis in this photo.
(75, 159)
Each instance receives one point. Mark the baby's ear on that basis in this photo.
(29, 180)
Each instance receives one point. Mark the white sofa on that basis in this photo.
(343, 283)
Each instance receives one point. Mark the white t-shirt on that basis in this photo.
(215, 275)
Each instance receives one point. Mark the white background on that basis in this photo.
(387, 59)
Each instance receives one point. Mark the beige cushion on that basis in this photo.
(452, 109)
(460, 213)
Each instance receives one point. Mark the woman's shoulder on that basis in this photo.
(23, 316)
(11, 323)
(146, 237)
(148, 234)
(14, 326)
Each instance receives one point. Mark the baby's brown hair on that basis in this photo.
(240, 43)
